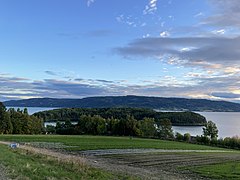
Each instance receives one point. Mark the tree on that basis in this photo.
(165, 130)
(131, 126)
(22, 123)
(179, 136)
(210, 130)
(187, 137)
(67, 123)
(147, 127)
(5, 121)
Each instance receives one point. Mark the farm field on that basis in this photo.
(77, 143)
(115, 158)
(182, 165)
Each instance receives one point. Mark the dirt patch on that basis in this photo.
(141, 151)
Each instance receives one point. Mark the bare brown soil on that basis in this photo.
(142, 163)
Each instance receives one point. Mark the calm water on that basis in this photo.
(228, 123)
(32, 110)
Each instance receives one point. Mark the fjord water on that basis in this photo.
(228, 123)
(32, 110)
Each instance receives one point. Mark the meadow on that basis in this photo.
(215, 163)
(21, 164)
(104, 142)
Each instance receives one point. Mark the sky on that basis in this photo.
(85, 48)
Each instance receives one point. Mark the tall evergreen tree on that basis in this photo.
(5, 122)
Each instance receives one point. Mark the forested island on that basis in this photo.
(118, 121)
(74, 114)
(170, 104)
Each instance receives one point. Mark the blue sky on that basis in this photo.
(82, 48)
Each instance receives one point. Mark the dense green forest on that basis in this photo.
(74, 114)
(129, 126)
(18, 122)
(180, 104)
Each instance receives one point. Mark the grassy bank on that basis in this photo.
(22, 164)
(104, 142)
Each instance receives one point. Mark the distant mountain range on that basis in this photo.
(173, 104)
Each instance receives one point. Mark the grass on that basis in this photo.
(105, 142)
(24, 165)
(208, 165)
(227, 170)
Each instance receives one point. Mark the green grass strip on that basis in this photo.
(228, 170)
(21, 164)
(105, 142)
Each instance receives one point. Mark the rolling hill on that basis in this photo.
(173, 104)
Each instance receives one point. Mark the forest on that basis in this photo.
(173, 104)
(74, 114)
(19, 122)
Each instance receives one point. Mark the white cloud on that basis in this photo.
(89, 2)
(151, 7)
(198, 14)
(164, 34)
(219, 32)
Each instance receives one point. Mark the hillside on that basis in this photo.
(176, 104)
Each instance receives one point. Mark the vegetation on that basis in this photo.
(74, 114)
(131, 101)
(210, 130)
(18, 122)
(85, 142)
(224, 170)
(117, 121)
(165, 129)
(191, 165)
(26, 165)
(35, 166)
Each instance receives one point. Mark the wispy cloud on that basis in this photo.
(151, 7)
(227, 14)
(200, 14)
(52, 73)
(90, 2)
(168, 86)
(209, 49)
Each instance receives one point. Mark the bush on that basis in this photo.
(187, 137)
(178, 136)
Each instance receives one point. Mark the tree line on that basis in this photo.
(147, 128)
(129, 126)
(19, 122)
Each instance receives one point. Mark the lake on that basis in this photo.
(32, 110)
(228, 123)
